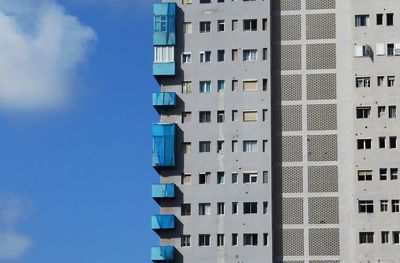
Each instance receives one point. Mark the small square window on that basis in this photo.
(205, 26)
(204, 116)
(204, 240)
(187, 28)
(250, 25)
(187, 147)
(250, 178)
(186, 179)
(185, 209)
(185, 241)
(204, 146)
(186, 116)
(204, 178)
(186, 58)
(205, 56)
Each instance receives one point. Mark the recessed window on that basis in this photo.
(234, 178)
(250, 239)
(389, 19)
(382, 174)
(234, 54)
(205, 1)
(205, 86)
(390, 49)
(392, 142)
(249, 178)
(220, 146)
(185, 241)
(220, 55)
(250, 55)
(265, 208)
(186, 57)
(187, 2)
(204, 146)
(381, 111)
(396, 237)
(363, 112)
(204, 116)
(250, 85)
(392, 112)
(220, 116)
(380, 81)
(221, 25)
(249, 116)
(186, 179)
(250, 146)
(394, 173)
(382, 142)
(163, 54)
(204, 240)
(185, 209)
(235, 25)
(250, 208)
(187, 28)
(379, 19)
(186, 116)
(264, 24)
(250, 25)
(220, 208)
(187, 87)
(204, 209)
(221, 85)
(235, 85)
(187, 147)
(205, 56)
(363, 144)
(366, 237)
(220, 240)
(234, 146)
(235, 240)
(390, 81)
(365, 206)
(363, 82)
(220, 178)
(384, 205)
(204, 178)
(364, 175)
(395, 206)
(205, 26)
(361, 20)
(234, 207)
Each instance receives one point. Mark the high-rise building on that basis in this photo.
(278, 133)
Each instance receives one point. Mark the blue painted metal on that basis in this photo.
(166, 99)
(162, 222)
(163, 144)
(163, 190)
(164, 25)
(164, 69)
(163, 253)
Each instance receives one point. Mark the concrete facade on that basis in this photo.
(274, 113)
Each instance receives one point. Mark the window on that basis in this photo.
(250, 25)
(250, 208)
(392, 142)
(220, 146)
(187, 87)
(220, 178)
(234, 178)
(220, 240)
(186, 58)
(265, 84)
(364, 175)
(234, 208)
(235, 25)
(362, 20)
(250, 146)
(392, 112)
(363, 144)
(264, 115)
(235, 115)
(249, 116)
(390, 81)
(163, 54)
(249, 178)
(389, 19)
(205, 26)
(395, 206)
(250, 55)
(362, 51)
(205, 86)
(363, 82)
(390, 49)
(234, 54)
(381, 111)
(187, 147)
(396, 237)
(220, 85)
(185, 210)
(160, 23)
(379, 19)
(234, 146)
(205, 56)
(265, 177)
(187, 28)
(265, 239)
(186, 179)
(204, 116)
(220, 55)
(186, 2)
(264, 24)
(250, 239)
(204, 178)
(235, 85)
(204, 240)
(380, 80)
(265, 53)
(365, 206)
(250, 85)
(220, 208)
(204, 209)
(205, 1)
(363, 112)
(264, 145)
(204, 146)
(382, 142)
(382, 174)
(366, 237)
(220, 116)
(385, 237)
(185, 241)
(186, 116)
(221, 26)
(394, 173)
(265, 208)
(384, 205)
(235, 240)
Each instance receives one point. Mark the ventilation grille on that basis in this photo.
(286, 28)
(288, 179)
(286, 57)
(321, 26)
(288, 118)
(289, 242)
(321, 117)
(286, 87)
(322, 147)
(286, 5)
(321, 56)
(321, 86)
(323, 210)
(320, 4)
(324, 242)
(288, 149)
(323, 179)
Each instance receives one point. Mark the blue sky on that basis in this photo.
(75, 131)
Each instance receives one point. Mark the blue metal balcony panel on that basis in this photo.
(164, 69)
(164, 25)
(163, 190)
(166, 99)
(162, 253)
(163, 145)
(162, 222)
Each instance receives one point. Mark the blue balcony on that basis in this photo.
(163, 145)
(164, 69)
(164, 25)
(164, 99)
(162, 222)
(163, 191)
(164, 253)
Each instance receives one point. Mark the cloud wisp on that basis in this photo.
(41, 47)
(13, 245)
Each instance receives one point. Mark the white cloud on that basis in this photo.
(40, 48)
(13, 245)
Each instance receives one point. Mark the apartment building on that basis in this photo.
(277, 138)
